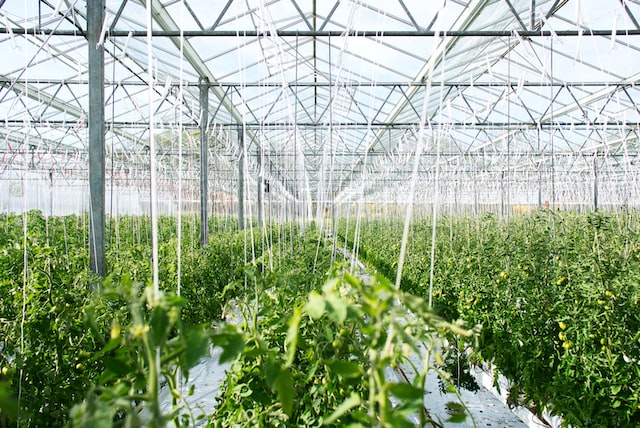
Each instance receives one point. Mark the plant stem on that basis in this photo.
(153, 356)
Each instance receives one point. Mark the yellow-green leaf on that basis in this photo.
(315, 305)
(348, 404)
(291, 341)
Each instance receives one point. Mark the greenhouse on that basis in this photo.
(347, 212)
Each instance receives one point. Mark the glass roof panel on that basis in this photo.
(358, 94)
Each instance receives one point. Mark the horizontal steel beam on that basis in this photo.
(34, 31)
(111, 126)
(520, 154)
(530, 155)
(5, 80)
(415, 125)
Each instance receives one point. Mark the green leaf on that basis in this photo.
(615, 389)
(8, 404)
(383, 282)
(457, 418)
(315, 305)
(330, 285)
(159, 324)
(415, 304)
(252, 352)
(117, 366)
(233, 348)
(271, 371)
(454, 406)
(348, 404)
(405, 391)
(112, 344)
(286, 391)
(196, 347)
(231, 341)
(336, 309)
(175, 301)
(351, 280)
(291, 341)
(347, 369)
(99, 415)
(397, 418)
(312, 371)
(90, 320)
(126, 283)
(457, 412)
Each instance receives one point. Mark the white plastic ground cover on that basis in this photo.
(206, 378)
(485, 377)
(483, 408)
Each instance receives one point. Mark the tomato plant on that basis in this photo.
(321, 357)
(556, 293)
(50, 326)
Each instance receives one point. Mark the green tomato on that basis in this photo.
(8, 371)
(562, 325)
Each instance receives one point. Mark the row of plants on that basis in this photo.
(311, 349)
(318, 349)
(556, 293)
(52, 325)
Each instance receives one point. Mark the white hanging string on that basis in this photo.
(180, 142)
(249, 239)
(365, 161)
(25, 260)
(180, 106)
(152, 166)
(25, 266)
(152, 154)
(419, 148)
(434, 212)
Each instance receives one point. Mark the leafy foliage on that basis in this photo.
(152, 347)
(51, 327)
(556, 293)
(318, 353)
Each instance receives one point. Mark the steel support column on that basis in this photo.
(241, 180)
(95, 16)
(260, 188)
(595, 181)
(532, 14)
(204, 162)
